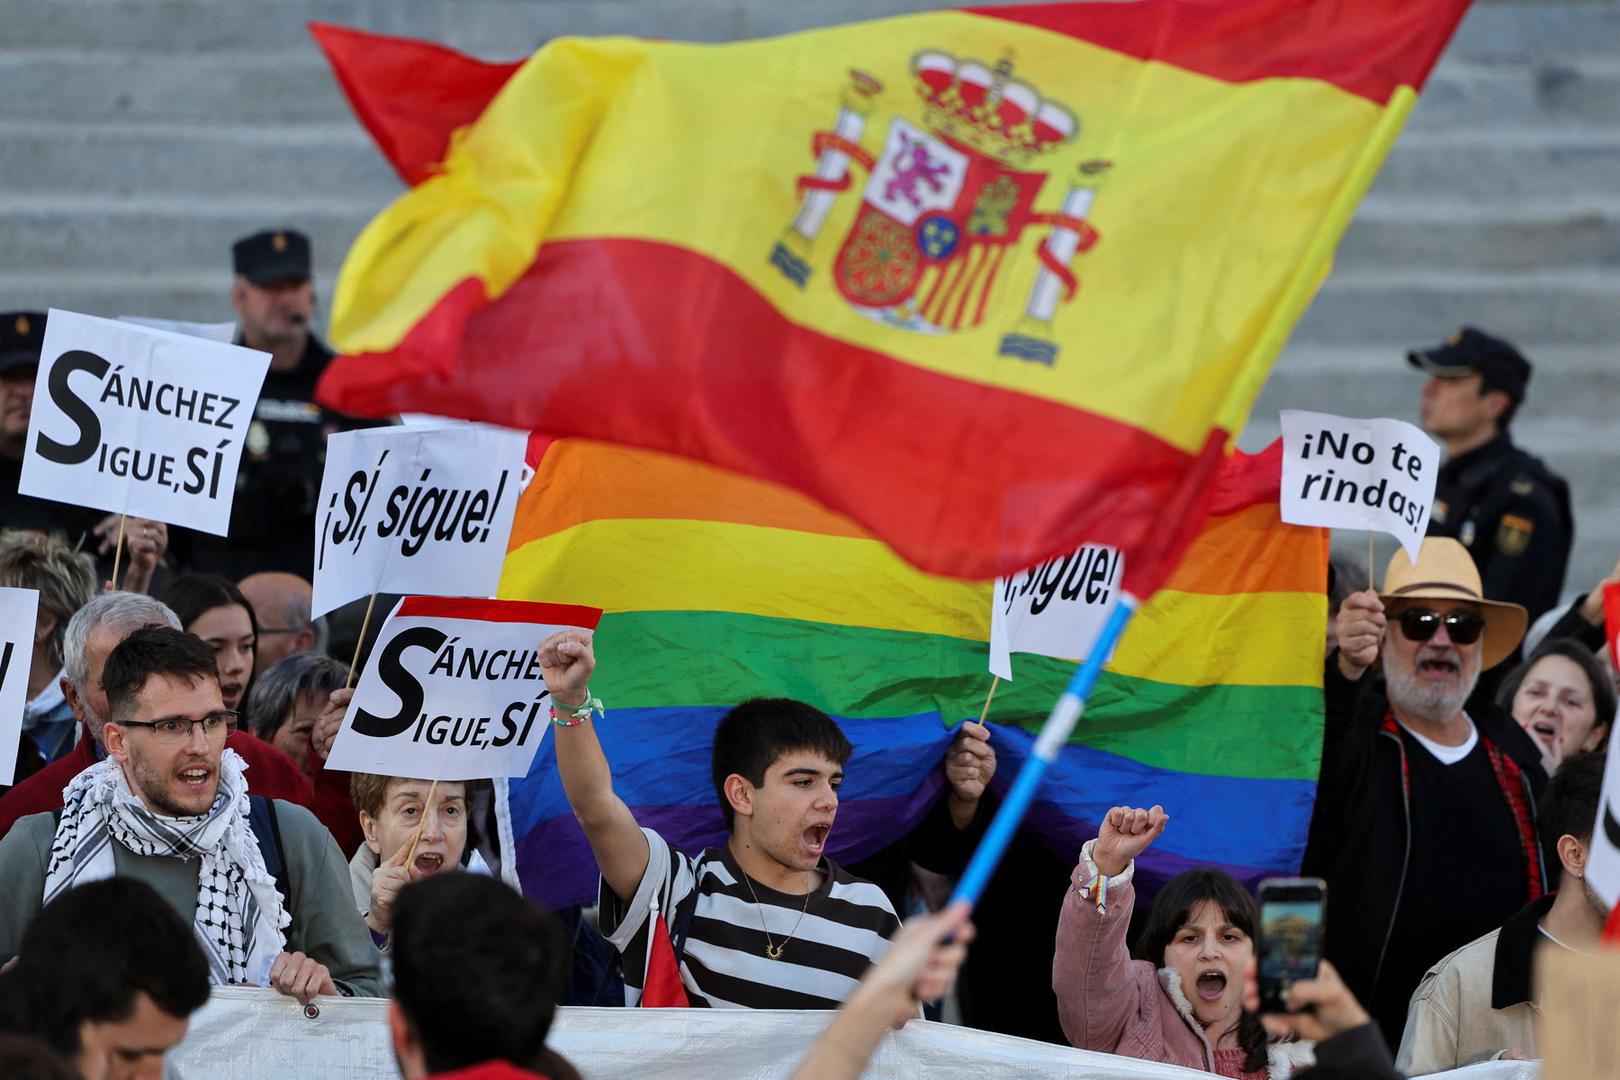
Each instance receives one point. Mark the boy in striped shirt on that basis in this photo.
(767, 921)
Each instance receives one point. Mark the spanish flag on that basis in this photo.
(992, 283)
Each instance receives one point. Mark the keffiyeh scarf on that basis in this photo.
(239, 912)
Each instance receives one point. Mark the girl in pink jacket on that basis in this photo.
(1183, 1004)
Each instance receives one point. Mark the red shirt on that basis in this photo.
(270, 773)
(489, 1070)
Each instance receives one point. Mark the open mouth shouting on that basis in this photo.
(231, 694)
(194, 777)
(428, 862)
(1439, 665)
(1211, 984)
(815, 838)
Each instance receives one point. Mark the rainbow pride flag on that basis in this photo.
(716, 588)
(989, 282)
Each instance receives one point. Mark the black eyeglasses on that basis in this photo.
(177, 729)
(1462, 627)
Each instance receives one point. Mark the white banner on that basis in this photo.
(18, 609)
(1055, 609)
(140, 421)
(222, 332)
(1343, 473)
(416, 510)
(249, 1034)
(452, 690)
(1603, 864)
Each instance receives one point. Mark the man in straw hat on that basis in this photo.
(1425, 814)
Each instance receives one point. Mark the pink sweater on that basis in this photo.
(1109, 1002)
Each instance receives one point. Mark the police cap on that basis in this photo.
(272, 255)
(1473, 352)
(22, 336)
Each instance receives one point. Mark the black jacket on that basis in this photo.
(1512, 513)
(1360, 829)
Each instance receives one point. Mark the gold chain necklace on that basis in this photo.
(772, 950)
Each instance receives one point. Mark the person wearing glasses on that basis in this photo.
(1424, 825)
(261, 882)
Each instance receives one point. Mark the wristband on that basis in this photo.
(574, 715)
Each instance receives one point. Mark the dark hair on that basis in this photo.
(1174, 906)
(275, 694)
(152, 650)
(1569, 805)
(751, 737)
(90, 952)
(190, 595)
(1502, 422)
(477, 972)
(1602, 686)
(23, 1058)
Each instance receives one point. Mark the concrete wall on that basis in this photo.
(137, 139)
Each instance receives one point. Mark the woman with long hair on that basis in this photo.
(216, 611)
(1180, 1001)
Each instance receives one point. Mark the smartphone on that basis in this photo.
(1291, 913)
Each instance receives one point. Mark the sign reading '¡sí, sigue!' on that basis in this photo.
(453, 690)
(140, 421)
(423, 509)
(1056, 609)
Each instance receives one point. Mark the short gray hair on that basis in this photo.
(121, 612)
(276, 691)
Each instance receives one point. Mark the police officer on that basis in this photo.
(1509, 510)
(273, 513)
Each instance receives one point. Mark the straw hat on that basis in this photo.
(1445, 571)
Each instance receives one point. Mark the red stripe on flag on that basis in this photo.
(659, 347)
(1611, 619)
(411, 95)
(1366, 47)
(511, 611)
(661, 986)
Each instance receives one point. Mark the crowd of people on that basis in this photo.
(173, 825)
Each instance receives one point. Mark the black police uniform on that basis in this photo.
(279, 481)
(1513, 515)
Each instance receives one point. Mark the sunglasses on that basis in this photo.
(1462, 627)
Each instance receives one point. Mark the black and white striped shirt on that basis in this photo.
(845, 927)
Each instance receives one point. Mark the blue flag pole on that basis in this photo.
(1054, 735)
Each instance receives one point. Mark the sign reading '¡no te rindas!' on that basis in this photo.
(140, 421)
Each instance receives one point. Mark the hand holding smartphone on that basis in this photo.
(1290, 947)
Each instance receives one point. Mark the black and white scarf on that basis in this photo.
(239, 912)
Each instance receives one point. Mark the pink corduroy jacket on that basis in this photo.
(1113, 1004)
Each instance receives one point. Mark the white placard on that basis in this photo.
(1055, 609)
(1343, 473)
(424, 510)
(453, 691)
(18, 608)
(1603, 862)
(222, 332)
(140, 421)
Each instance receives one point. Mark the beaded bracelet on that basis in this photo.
(574, 715)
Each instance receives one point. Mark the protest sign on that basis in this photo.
(453, 691)
(1055, 609)
(223, 332)
(140, 421)
(1603, 862)
(416, 510)
(1344, 473)
(18, 608)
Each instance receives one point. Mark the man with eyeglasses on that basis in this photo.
(170, 806)
(1425, 809)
